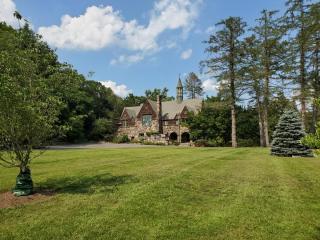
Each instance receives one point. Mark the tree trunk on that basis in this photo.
(233, 126)
(316, 86)
(314, 116)
(265, 113)
(267, 73)
(24, 183)
(232, 72)
(261, 125)
(302, 69)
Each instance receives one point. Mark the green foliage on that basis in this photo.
(132, 100)
(214, 121)
(121, 139)
(312, 140)
(211, 122)
(152, 94)
(149, 134)
(101, 129)
(193, 86)
(287, 136)
(226, 55)
(82, 102)
(29, 111)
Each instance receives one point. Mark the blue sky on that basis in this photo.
(133, 45)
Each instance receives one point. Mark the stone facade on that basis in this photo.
(159, 121)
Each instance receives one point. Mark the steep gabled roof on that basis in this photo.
(153, 104)
(132, 111)
(169, 108)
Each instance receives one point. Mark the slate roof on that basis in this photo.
(133, 111)
(169, 108)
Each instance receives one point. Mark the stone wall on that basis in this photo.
(134, 132)
(137, 129)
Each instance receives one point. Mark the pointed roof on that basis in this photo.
(179, 83)
(169, 108)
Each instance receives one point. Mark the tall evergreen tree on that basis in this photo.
(287, 136)
(225, 62)
(296, 19)
(314, 63)
(269, 56)
(253, 80)
(193, 86)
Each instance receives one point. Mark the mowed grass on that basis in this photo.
(168, 193)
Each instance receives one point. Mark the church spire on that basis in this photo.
(179, 91)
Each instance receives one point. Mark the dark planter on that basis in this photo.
(24, 184)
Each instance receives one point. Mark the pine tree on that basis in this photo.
(296, 21)
(287, 136)
(270, 56)
(193, 86)
(314, 64)
(253, 80)
(225, 63)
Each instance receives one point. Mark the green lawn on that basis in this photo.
(168, 193)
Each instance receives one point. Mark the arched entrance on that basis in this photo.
(173, 136)
(185, 137)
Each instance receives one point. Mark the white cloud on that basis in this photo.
(120, 90)
(8, 7)
(186, 54)
(95, 29)
(129, 59)
(210, 30)
(210, 85)
(101, 27)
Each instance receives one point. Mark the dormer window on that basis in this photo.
(146, 120)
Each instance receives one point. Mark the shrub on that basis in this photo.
(217, 142)
(201, 143)
(100, 129)
(121, 139)
(149, 134)
(312, 141)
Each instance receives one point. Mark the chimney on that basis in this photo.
(159, 114)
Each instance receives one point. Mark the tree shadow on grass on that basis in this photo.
(102, 183)
(317, 235)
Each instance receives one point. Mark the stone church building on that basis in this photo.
(162, 119)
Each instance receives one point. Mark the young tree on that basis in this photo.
(193, 86)
(287, 136)
(225, 63)
(28, 113)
